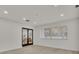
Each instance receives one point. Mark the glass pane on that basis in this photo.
(30, 36)
(24, 36)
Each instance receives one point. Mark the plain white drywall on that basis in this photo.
(10, 35)
(72, 42)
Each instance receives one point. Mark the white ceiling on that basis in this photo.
(38, 14)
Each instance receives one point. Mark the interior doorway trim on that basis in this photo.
(27, 36)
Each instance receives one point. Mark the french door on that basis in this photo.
(27, 36)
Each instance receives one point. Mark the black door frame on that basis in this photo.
(27, 36)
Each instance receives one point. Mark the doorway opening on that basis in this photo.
(27, 36)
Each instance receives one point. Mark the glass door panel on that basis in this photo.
(27, 36)
(24, 36)
(30, 36)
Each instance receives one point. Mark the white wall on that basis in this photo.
(10, 35)
(72, 42)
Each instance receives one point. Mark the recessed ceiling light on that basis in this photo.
(61, 14)
(5, 12)
(27, 20)
(24, 18)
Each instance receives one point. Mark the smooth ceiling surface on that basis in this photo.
(38, 14)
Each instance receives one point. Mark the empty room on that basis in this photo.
(39, 29)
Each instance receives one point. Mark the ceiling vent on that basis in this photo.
(77, 6)
(27, 20)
